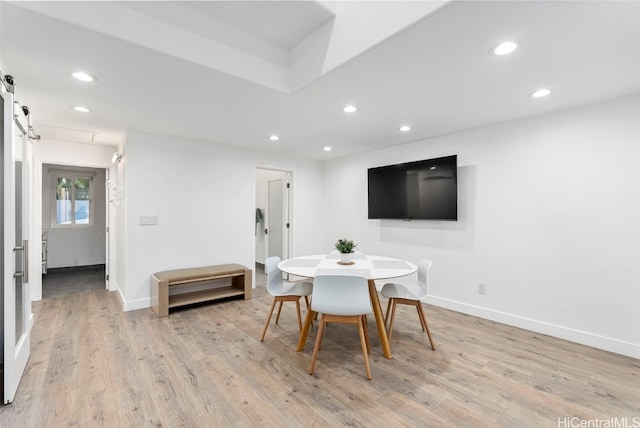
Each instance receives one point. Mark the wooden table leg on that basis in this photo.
(377, 312)
(308, 320)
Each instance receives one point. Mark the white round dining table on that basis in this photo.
(368, 266)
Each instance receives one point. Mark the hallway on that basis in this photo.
(66, 282)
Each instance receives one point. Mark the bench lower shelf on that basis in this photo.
(203, 296)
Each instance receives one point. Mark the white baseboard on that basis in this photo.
(119, 293)
(129, 305)
(572, 335)
(133, 305)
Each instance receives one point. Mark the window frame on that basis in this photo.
(72, 176)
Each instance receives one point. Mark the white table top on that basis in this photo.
(371, 267)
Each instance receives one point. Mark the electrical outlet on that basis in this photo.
(482, 288)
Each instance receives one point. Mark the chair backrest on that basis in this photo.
(341, 295)
(274, 274)
(424, 266)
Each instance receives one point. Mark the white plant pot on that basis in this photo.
(345, 257)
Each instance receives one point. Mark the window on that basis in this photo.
(73, 201)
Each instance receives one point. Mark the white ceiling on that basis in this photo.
(284, 23)
(222, 71)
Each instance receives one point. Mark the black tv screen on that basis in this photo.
(421, 190)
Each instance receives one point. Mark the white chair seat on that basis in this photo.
(295, 289)
(402, 291)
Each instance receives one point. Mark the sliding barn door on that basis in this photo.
(16, 303)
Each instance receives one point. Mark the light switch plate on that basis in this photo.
(148, 220)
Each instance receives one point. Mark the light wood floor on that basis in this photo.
(93, 365)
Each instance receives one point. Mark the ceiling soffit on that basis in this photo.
(280, 45)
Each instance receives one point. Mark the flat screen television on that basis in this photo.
(421, 190)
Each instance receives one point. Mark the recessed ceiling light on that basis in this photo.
(349, 109)
(405, 128)
(503, 48)
(327, 149)
(543, 92)
(81, 109)
(85, 77)
(274, 137)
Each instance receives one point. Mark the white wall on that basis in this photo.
(74, 246)
(549, 211)
(204, 197)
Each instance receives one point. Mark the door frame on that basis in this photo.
(36, 235)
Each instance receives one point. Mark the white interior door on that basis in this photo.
(107, 225)
(278, 215)
(16, 296)
(275, 219)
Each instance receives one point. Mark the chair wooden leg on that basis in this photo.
(316, 348)
(423, 320)
(393, 315)
(299, 315)
(362, 331)
(279, 310)
(365, 344)
(366, 333)
(419, 309)
(306, 299)
(386, 316)
(266, 325)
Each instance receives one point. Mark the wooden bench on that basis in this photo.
(238, 284)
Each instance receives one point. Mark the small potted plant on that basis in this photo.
(345, 247)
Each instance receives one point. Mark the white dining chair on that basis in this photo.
(401, 294)
(283, 291)
(342, 299)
